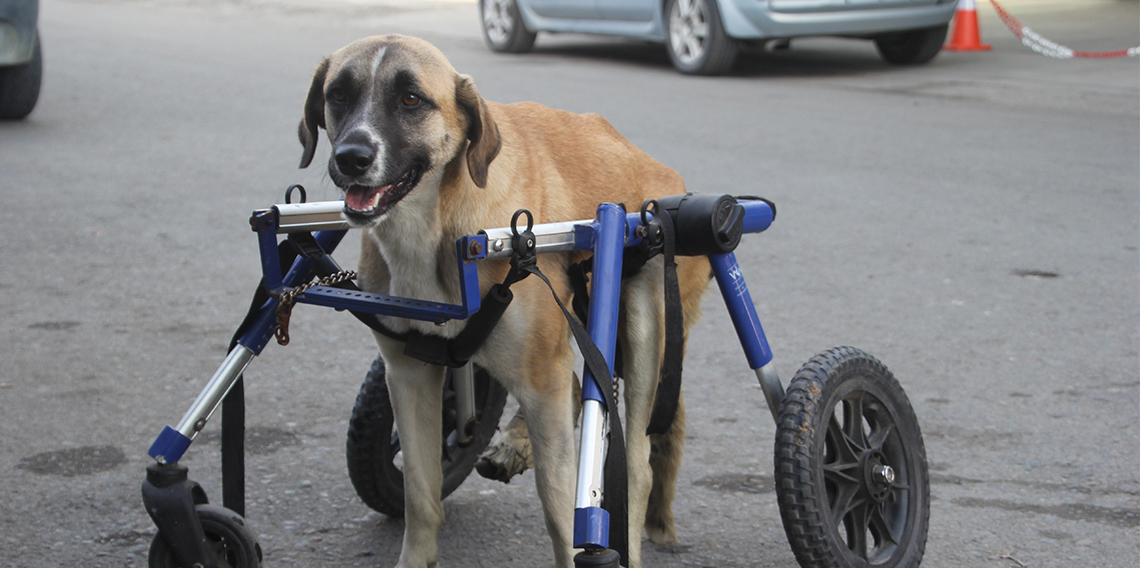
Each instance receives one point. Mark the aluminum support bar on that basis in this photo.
(591, 522)
(550, 237)
(773, 390)
(591, 453)
(207, 401)
(317, 216)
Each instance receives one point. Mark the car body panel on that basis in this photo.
(752, 19)
(18, 30)
(537, 15)
(743, 19)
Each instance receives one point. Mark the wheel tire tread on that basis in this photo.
(160, 555)
(914, 47)
(801, 507)
(20, 86)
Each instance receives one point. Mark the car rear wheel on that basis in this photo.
(697, 42)
(913, 47)
(503, 28)
(20, 86)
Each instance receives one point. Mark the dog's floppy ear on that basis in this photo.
(482, 132)
(314, 114)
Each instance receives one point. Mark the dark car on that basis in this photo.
(21, 63)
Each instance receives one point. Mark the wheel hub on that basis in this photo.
(878, 475)
(497, 19)
(687, 30)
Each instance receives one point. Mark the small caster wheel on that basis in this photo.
(851, 473)
(597, 558)
(229, 539)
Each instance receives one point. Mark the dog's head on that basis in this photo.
(395, 110)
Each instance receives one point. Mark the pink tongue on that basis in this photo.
(360, 198)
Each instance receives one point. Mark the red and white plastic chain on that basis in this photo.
(1034, 41)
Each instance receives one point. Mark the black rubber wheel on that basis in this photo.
(851, 473)
(912, 47)
(20, 86)
(503, 27)
(695, 38)
(230, 540)
(373, 447)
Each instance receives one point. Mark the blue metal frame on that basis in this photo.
(265, 223)
(730, 279)
(606, 236)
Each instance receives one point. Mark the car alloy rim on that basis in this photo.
(688, 29)
(497, 19)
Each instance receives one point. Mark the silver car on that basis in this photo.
(703, 36)
(21, 65)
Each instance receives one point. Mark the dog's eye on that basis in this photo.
(337, 95)
(411, 100)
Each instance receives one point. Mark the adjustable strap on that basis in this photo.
(669, 389)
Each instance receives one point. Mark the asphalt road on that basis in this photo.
(974, 223)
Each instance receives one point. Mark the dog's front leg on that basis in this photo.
(416, 390)
(550, 420)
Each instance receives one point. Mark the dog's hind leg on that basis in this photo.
(417, 392)
(665, 457)
(665, 460)
(642, 336)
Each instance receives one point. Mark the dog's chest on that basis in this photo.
(419, 267)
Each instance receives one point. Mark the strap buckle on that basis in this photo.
(524, 247)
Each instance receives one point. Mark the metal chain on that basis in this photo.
(1041, 45)
(288, 298)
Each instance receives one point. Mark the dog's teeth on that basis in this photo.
(375, 201)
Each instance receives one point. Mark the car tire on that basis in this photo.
(20, 86)
(913, 47)
(503, 27)
(696, 40)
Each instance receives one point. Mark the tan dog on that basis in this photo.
(423, 160)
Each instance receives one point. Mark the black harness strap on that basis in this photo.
(429, 348)
(669, 389)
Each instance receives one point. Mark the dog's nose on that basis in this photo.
(354, 159)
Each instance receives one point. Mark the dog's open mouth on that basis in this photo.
(365, 202)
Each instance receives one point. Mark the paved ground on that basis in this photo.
(975, 223)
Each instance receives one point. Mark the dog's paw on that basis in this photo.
(673, 547)
(509, 453)
(503, 461)
(665, 537)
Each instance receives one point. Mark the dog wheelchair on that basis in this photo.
(850, 467)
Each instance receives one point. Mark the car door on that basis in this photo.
(627, 10)
(570, 9)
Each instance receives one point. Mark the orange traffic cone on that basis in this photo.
(966, 36)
